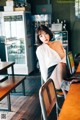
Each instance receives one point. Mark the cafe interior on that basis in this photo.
(24, 95)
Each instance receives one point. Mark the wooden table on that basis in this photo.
(8, 85)
(5, 65)
(71, 106)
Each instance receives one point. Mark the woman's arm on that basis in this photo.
(42, 63)
(64, 54)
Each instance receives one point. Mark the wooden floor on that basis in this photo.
(30, 110)
(24, 107)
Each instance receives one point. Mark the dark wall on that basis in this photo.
(36, 2)
(62, 11)
(2, 2)
(59, 11)
(75, 31)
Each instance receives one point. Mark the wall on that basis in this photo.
(75, 31)
(62, 11)
(2, 2)
(59, 10)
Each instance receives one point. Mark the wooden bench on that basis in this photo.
(8, 85)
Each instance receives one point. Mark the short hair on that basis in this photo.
(45, 29)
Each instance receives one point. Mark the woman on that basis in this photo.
(50, 54)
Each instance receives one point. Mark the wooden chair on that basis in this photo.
(73, 71)
(48, 101)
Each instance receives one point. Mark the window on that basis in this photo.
(77, 8)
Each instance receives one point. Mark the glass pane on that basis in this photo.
(14, 29)
(77, 8)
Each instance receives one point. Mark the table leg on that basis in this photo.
(12, 68)
(9, 102)
(23, 87)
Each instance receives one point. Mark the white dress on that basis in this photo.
(47, 57)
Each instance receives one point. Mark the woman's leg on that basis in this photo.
(58, 74)
(55, 79)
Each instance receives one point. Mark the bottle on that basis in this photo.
(57, 20)
(64, 25)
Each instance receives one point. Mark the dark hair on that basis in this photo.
(45, 29)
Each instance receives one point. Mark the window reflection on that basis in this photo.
(77, 8)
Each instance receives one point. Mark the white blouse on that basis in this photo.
(47, 57)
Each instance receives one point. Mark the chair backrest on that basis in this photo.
(70, 62)
(47, 97)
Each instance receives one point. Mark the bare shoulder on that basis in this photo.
(58, 42)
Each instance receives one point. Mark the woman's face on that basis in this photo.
(44, 37)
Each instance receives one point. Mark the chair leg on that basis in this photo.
(57, 108)
(41, 117)
(64, 92)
